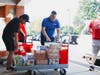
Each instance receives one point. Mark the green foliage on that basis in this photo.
(35, 27)
(71, 29)
(89, 9)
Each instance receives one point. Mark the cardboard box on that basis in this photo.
(41, 62)
(53, 54)
(39, 54)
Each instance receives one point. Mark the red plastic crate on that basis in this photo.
(27, 47)
(63, 56)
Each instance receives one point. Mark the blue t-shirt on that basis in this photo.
(50, 26)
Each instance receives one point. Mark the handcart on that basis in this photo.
(56, 60)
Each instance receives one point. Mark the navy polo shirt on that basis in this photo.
(50, 26)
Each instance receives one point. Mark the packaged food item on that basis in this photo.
(30, 62)
(24, 60)
(18, 60)
(52, 45)
(41, 62)
(53, 61)
(30, 59)
(53, 55)
(53, 50)
(40, 54)
(3, 54)
(42, 47)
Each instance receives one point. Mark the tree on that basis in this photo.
(35, 27)
(89, 9)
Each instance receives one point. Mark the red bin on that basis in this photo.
(63, 56)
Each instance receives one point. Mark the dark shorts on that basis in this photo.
(9, 43)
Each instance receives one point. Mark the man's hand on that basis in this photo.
(16, 47)
(58, 39)
(45, 34)
(48, 39)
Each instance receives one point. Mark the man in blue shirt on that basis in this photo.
(49, 25)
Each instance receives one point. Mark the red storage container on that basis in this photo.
(63, 61)
(17, 52)
(63, 56)
(27, 47)
(23, 53)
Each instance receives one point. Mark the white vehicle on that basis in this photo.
(85, 40)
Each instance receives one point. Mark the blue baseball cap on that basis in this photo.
(25, 16)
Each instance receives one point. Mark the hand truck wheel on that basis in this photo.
(30, 72)
(91, 68)
(62, 72)
(56, 69)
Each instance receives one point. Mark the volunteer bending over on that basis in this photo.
(10, 38)
(49, 25)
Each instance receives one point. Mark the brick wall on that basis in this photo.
(5, 10)
(19, 11)
(2, 11)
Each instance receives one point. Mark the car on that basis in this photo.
(65, 39)
(85, 40)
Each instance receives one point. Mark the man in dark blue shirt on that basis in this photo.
(49, 25)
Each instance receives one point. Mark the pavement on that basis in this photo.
(77, 66)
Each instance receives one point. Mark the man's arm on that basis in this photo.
(90, 27)
(58, 35)
(45, 34)
(22, 32)
(90, 30)
(58, 32)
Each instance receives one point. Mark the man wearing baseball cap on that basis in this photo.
(49, 25)
(10, 38)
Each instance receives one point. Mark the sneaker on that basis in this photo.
(10, 69)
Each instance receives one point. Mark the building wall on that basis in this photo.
(2, 25)
(2, 11)
(10, 9)
(19, 10)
